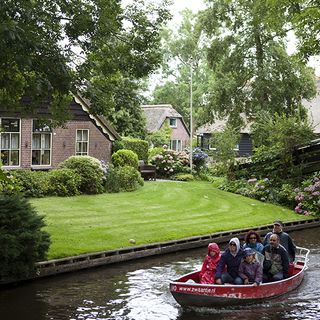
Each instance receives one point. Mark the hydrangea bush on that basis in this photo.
(170, 162)
(308, 197)
(199, 159)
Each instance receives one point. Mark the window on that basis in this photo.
(173, 122)
(10, 142)
(41, 143)
(82, 141)
(176, 145)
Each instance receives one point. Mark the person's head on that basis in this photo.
(252, 237)
(274, 240)
(213, 249)
(277, 226)
(234, 245)
(249, 255)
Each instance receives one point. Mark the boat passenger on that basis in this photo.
(209, 266)
(276, 262)
(285, 240)
(230, 258)
(252, 240)
(250, 269)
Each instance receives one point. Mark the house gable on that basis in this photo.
(45, 148)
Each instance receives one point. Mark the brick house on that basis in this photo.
(158, 115)
(26, 143)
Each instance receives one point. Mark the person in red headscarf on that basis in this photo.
(209, 265)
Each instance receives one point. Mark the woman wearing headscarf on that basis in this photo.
(209, 266)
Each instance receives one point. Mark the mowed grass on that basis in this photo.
(159, 211)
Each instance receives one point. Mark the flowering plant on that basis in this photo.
(170, 162)
(199, 158)
(308, 197)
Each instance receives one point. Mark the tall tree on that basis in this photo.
(114, 45)
(183, 49)
(253, 71)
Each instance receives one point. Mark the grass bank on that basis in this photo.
(159, 211)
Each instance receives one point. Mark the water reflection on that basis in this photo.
(139, 291)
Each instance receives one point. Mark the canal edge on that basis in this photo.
(95, 259)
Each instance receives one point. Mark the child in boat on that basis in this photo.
(250, 270)
(209, 265)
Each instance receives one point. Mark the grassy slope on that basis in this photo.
(157, 212)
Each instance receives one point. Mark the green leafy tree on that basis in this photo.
(23, 242)
(253, 71)
(98, 47)
(160, 137)
(183, 49)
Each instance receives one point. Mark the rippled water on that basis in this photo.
(139, 291)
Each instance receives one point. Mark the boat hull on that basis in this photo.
(199, 295)
(188, 292)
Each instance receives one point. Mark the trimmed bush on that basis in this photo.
(90, 170)
(22, 241)
(32, 183)
(123, 179)
(183, 177)
(64, 182)
(125, 158)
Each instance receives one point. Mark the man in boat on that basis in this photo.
(276, 262)
(285, 240)
(230, 258)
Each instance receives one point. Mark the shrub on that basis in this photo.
(125, 158)
(89, 168)
(184, 177)
(154, 151)
(308, 197)
(22, 240)
(140, 147)
(199, 159)
(8, 183)
(122, 179)
(32, 183)
(64, 182)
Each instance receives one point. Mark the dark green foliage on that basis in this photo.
(90, 170)
(32, 183)
(64, 182)
(124, 178)
(140, 147)
(125, 157)
(22, 241)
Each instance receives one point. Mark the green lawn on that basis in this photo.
(157, 212)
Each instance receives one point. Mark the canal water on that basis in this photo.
(139, 290)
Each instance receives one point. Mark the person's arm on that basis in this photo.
(291, 248)
(285, 263)
(241, 272)
(266, 239)
(259, 274)
(204, 266)
(220, 266)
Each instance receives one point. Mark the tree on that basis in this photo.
(252, 70)
(22, 241)
(49, 48)
(183, 49)
(301, 16)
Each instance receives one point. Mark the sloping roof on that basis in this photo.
(313, 107)
(100, 121)
(220, 124)
(156, 114)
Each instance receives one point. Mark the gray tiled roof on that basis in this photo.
(156, 114)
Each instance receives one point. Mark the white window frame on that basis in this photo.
(10, 135)
(175, 121)
(43, 132)
(177, 143)
(82, 142)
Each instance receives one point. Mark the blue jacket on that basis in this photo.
(232, 263)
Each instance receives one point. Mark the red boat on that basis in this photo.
(188, 292)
